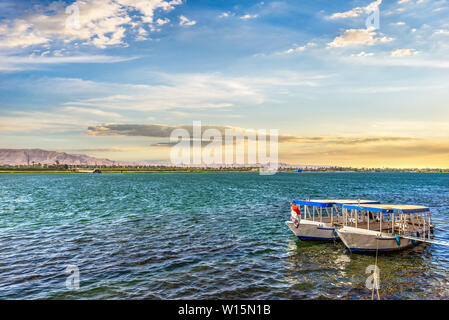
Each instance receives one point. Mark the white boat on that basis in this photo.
(319, 218)
(384, 227)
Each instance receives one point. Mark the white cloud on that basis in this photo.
(347, 14)
(20, 34)
(161, 22)
(356, 11)
(186, 22)
(403, 1)
(142, 34)
(249, 16)
(395, 62)
(442, 32)
(91, 111)
(362, 54)
(102, 40)
(100, 23)
(358, 37)
(58, 53)
(295, 50)
(300, 49)
(400, 23)
(148, 7)
(403, 52)
(388, 89)
(225, 15)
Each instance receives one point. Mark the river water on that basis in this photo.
(203, 236)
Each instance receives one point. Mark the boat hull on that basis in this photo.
(357, 240)
(312, 230)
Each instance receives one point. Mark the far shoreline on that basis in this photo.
(203, 170)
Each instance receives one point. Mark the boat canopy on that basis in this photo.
(331, 203)
(388, 208)
(410, 209)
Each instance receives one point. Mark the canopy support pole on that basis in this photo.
(332, 214)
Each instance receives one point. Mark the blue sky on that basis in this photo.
(312, 69)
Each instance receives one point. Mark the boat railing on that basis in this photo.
(413, 221)
(329, 211)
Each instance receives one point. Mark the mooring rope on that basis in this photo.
(376, 282)
(335, 236)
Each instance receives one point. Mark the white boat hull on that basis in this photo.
(312, 230)
(358, 240)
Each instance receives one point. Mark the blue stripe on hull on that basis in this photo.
(369, 250)
(374, 250)
(314, 238)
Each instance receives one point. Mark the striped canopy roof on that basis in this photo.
(388, 208)
(330, 203)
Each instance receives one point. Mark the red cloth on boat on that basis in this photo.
(296, 209)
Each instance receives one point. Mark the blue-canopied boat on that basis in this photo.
(318, 219)
(384, 227)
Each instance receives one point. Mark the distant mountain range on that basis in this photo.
(31, 157)
(36, 156)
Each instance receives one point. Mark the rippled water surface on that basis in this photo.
(197, 236)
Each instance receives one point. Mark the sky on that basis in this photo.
(110, 78)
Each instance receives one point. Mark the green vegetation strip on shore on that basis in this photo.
(204, 170)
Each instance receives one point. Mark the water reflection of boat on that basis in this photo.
(384, 227)
(318, 218)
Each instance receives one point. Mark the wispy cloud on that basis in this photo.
(91, 111)
(181, 91)
(225, 15)
(355, 12)
(443, 32)
(300, 49)
(14, 63)
(249, 16)
(72, 103)
(186, 22)
(416, 62)
(362, 54)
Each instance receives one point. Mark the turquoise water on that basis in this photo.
(198, 236)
